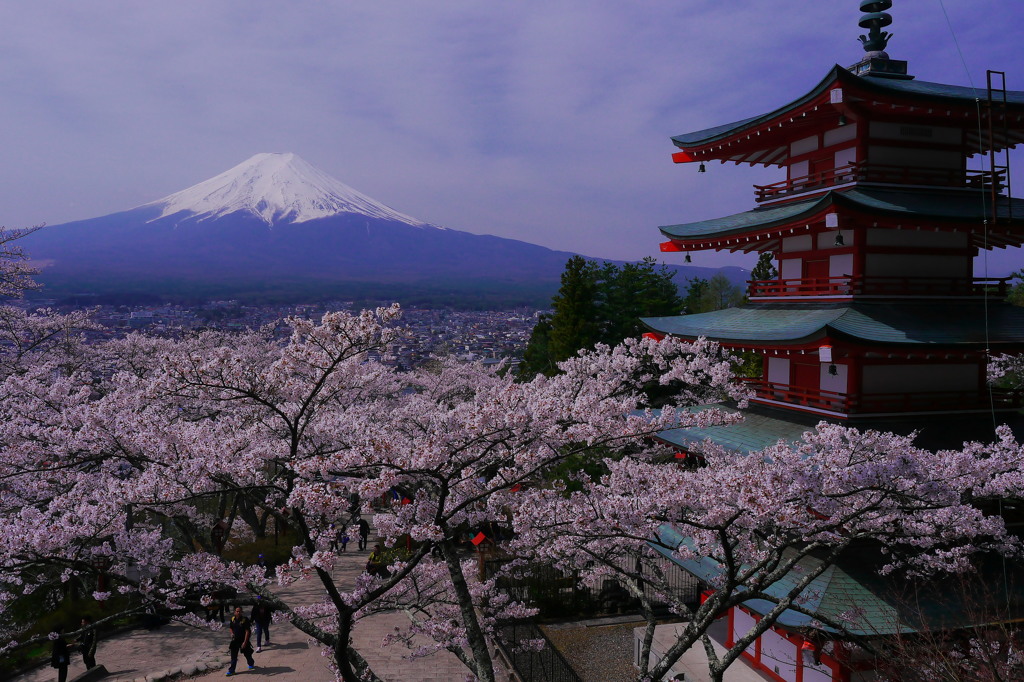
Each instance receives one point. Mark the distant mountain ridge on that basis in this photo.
(276, 227)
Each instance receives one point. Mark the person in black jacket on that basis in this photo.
(61, 657)
(260, 617)
(241, 629)
(364, 533)
(88, 643)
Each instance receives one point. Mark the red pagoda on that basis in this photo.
(874, 312)
(875, 318)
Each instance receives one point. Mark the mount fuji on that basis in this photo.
(276, 228)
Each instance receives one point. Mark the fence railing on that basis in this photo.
(846, 285)
(532, 664)
(870, 403)
(558, 594)
(883, 174)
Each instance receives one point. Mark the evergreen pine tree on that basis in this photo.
(572, 325)
(765, 268)
(632, 291)
(695, 290)
(599, 304)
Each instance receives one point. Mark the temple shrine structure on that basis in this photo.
(889, 187)
(875, 311)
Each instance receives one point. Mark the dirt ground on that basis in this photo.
(598, 653)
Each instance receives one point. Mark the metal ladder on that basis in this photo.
(998, 134)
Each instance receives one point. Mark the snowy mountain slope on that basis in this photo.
(279, 188)
(274, 226)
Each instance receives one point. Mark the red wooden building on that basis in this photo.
(874, 228)
(891, 187)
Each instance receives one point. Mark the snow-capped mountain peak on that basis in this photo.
(277, 188)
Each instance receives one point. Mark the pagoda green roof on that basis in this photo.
(756, 432)
(844, 592)
(911, 203)
(764, 425)
(919, 90)
(852, 591)
(942, 323)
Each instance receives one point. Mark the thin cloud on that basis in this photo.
(542, 121)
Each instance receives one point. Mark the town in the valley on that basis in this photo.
(484, 335)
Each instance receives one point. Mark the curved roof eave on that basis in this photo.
(937, 92)
(701, 137)
(926, 325)
(745, 325)
(761, 218)
(943, 206)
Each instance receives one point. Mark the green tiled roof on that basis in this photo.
(941, 204)
(923, 204)
(700, 137)
(755, 432)
(941, 323)
(741, 222)
(961, 94)
(834, 595)
(765, 323)
(935, 92)
(853, 591)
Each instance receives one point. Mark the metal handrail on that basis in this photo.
(1001, 398)
(545, 665)
(846, 285)
(859, 171)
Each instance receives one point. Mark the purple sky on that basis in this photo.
(547, 121)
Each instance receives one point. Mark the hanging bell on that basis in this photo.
(701, 168)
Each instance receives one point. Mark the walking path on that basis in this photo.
(178, 650)
(183, 652)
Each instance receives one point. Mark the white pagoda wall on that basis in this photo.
(778, 654)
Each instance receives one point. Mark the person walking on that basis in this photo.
(241, 630)
(88, 643)
(261, 561)
(364, 533)
(61, 656)
(261, 616)
(343, 538)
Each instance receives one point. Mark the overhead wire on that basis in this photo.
(985, 245)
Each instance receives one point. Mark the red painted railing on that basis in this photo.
(896, 175)
(880, 286)
(796, 395)
(885, 403)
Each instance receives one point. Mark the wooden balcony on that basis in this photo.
(881, 286)
(876, 173)
(886, 403)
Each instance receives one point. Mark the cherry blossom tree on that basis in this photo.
(15, 271)
(107, 468)
(111, 454)
(789, 510)
(1006, 370)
